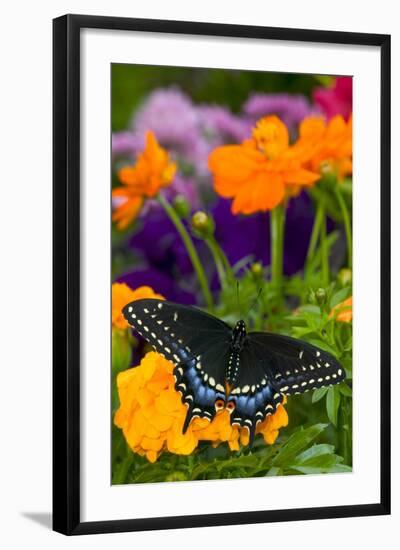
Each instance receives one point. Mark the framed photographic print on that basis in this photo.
(221, 274)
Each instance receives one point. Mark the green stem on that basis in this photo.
(122, 473)
(319, 216)
(277, 241)
(324, 249)
(212, 245)
(225, 261)
(347, 224)
(221, 261)
(173, 216)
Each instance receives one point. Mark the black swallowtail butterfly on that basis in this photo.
(217, 366)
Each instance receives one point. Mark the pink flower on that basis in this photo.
(337, 99)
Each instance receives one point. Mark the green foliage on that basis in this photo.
(301, 453)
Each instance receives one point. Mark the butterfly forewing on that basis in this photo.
(197, 344)
(294, 366)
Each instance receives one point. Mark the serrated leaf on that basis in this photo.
(318, 394)
(332, 404)
(296, 443)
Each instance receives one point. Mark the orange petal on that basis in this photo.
(232, 165)
(124, 214)
(263, 193)
(300, 177)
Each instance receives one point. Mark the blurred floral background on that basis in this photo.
(223, 177)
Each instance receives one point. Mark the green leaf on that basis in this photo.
(339, 297)
(335, 468)
(296, 443)
(310, 308)
(274, 471)
(345, 389)
(322, 461)
(121, 350)
(314, 451)
(318, 394)
(323, 345)
(332, 404)
(244, 461)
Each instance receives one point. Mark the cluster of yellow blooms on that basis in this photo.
(151, 414)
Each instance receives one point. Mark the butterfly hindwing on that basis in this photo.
(272, 366)
(194, 341)
(253, 394)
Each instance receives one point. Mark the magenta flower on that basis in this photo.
(336, 100)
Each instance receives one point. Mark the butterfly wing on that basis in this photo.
(196, 342)
(273, 365)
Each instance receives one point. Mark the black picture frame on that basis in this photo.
(66, 272)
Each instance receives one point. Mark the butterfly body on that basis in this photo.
(217, 367)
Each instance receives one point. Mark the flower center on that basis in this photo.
(271, 136)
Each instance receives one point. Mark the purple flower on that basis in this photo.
(126, 143)
(172, 117)
(221, 126)
(241, 236)
(291, 109)
(162, 282)
(188, 131)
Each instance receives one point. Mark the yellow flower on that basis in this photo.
(343, 312)
(122, 294)
(151, 414)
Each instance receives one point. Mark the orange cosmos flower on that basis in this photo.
(343, 312)
(152, 171)
(151, 414)
(328, 145)
(260, 172)
(122, 294)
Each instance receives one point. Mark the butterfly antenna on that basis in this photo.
(237, 298)
(260, 291)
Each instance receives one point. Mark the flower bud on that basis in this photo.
(311, 299)
(257, 269)
(345, 276)
(320, 296)
(177, 475)
(202, 224)
(181, 206)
